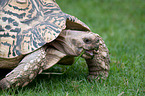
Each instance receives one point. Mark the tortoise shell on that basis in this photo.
(26, 25)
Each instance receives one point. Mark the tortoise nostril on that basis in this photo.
(97, 41)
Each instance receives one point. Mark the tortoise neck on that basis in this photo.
(64, 44)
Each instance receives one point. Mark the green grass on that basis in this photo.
(121, 23)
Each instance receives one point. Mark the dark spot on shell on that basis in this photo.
(10, 20)
(15, 30)
(13, 36)
(18, 52)
(8, 27)
(15, 24)
(4, 18)
(1, 29)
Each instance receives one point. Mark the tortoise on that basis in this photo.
(36, 35)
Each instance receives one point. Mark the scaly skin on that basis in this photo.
(30, 66)
(25, 72)
(99, 65)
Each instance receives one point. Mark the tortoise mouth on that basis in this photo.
(89, 52)
(86, 53)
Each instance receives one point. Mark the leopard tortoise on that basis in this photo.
(36, 34)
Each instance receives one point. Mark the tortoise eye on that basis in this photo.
(87, 41)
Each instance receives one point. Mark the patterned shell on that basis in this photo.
(26, 25)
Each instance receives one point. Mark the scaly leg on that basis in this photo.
(99, 65)
(30, 66)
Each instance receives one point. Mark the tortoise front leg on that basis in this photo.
(30, 66)
(26, 71)
(99, 65)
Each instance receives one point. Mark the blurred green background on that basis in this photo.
(121, 24)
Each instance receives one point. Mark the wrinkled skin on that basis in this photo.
(74, 42)
(70, 43)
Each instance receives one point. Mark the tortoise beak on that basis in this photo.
(89, 52)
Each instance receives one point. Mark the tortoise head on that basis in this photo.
(74, 42)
